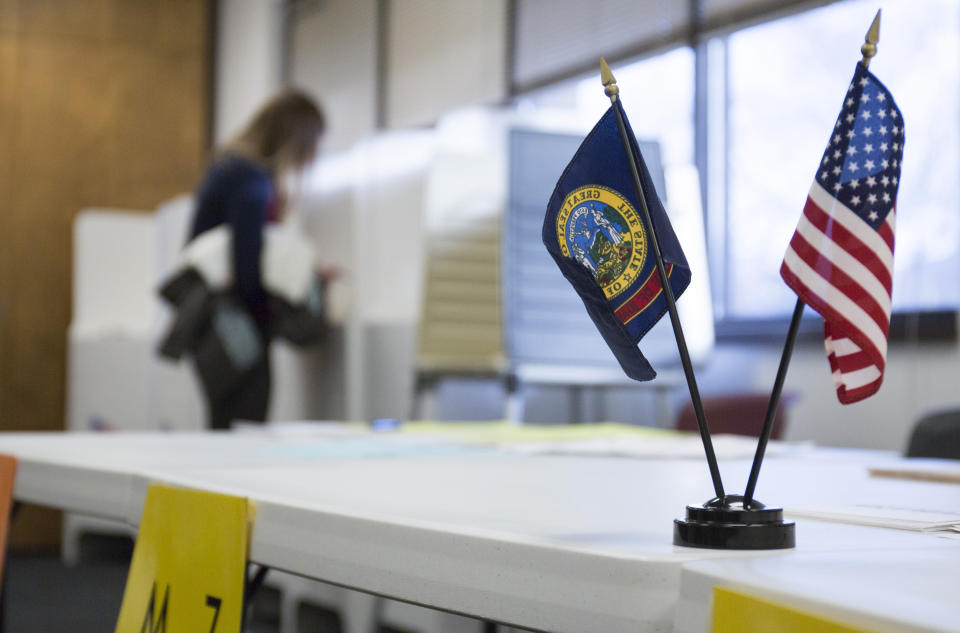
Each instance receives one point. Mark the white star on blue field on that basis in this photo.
(861, 165)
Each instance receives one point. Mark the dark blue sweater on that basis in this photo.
(240, 193)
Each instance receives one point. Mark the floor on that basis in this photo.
(41, 594)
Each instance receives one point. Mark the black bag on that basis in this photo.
(302, 324)
(215, 328)
(191, 299)
(229, 347)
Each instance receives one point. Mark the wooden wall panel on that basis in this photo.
(102, 103)
(8, 15)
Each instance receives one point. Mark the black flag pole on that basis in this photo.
(869, 49)
(612, 91)
(774, 402)
(724, 521)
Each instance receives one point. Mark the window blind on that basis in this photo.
(558, 39)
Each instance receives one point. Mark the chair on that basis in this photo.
(461, 330)
(936, 435)
(740, 414)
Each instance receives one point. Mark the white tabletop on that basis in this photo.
(887, 590)
(549, 543)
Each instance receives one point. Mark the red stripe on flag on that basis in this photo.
(849, 242)
(886, 232)
(845, 365)
(840, 280)
(642, 298)
(849, 396)
(853, 362)
(844, 328)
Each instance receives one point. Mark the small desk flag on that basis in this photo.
(596, 235)
(840, 260)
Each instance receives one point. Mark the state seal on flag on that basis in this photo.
(600, 229)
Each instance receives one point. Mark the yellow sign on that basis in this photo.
(736, 612)
(189, 563)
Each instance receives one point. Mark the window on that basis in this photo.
(784, 84)
(658, 98)
(772, 93)
(664, 114)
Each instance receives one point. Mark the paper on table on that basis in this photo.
(493, 432)
(504, 432)
(604, 439)
(371, 447)
(672, 446)
(880, 516)
(922, 470)
(299, 428)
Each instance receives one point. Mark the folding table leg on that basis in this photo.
(250, 591)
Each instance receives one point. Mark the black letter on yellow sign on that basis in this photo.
(161, 626)
(214, 603)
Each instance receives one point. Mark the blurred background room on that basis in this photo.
(448, 124)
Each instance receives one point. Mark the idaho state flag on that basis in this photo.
(595, 232)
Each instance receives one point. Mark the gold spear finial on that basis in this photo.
(869, 48)
(609, 82)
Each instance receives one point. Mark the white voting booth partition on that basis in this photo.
(112, 314)
(362, 208)
(109, 338)
(115, 379)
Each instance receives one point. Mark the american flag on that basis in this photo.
(840, 260)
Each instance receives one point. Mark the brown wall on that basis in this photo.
(102, 103)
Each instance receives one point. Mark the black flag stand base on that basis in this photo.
(727, 524)
(735, 522)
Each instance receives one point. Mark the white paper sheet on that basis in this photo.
(889, 517)
(687, 446)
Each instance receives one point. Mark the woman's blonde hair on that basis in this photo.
(282, 136)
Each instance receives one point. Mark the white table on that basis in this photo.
(547, 543)
(887, 591)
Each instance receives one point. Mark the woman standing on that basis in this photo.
(244, 189)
